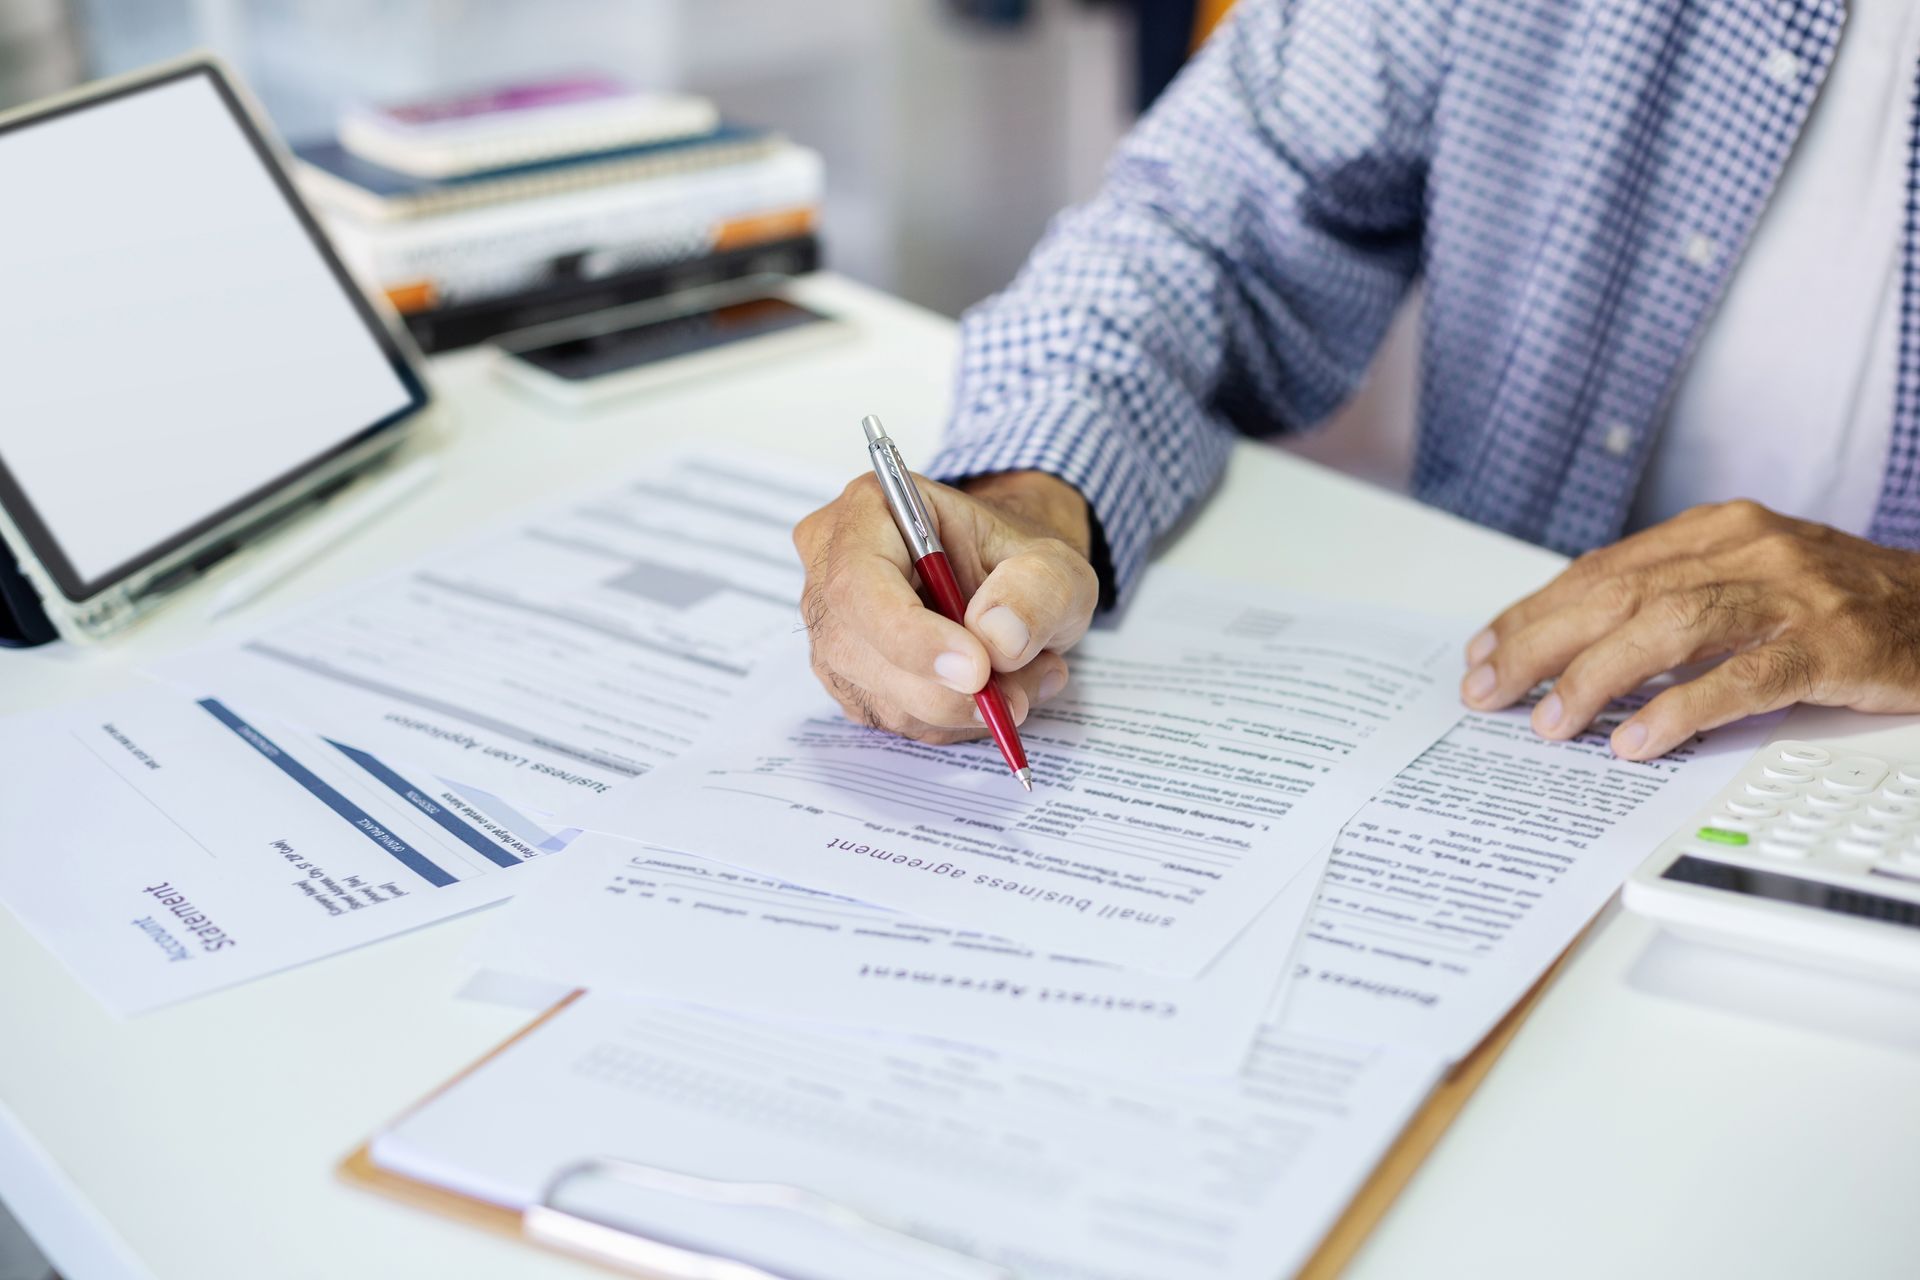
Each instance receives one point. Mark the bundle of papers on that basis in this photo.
(1161, 1016)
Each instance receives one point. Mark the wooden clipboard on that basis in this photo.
(1335, 1251)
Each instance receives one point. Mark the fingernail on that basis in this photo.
(977, 717)
(1480, 682)
(1481, 648)
(1630, 740)
(1547, 715)
(955, 671)
(1005, 631)
(1051, 684)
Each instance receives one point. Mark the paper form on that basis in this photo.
(614, 915)
(1197, 761)
(561, 655)
(164, 846)
(1046, 1173)
(1455, 888)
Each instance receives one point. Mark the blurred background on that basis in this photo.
(949, 131)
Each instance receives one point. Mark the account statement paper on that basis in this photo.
(1202, 754)
(165, 845)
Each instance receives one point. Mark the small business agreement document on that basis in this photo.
(1204, 753)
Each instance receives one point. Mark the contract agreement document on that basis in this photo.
(177, 844)
(561, 654)
(1201, 756)
(616, 916)
(1024, 1170)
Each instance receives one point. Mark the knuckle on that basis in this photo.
(807, 532)
(1744, 513)
(1618, 597)
(864, 487)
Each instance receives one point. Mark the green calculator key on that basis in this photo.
(1720, 835)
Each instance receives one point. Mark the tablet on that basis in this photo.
(186, 359)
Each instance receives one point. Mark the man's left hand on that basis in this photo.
(1809, 614)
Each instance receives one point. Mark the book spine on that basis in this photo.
(692, 209)
(447, 328)
(332, 192)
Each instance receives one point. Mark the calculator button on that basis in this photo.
(1905, 865)
(1909, 774)
(1795, 835)
(1733, 822)
(1878, 832)
(1752, 808)
(1721, 835)
(1859, 848)
(1801, 753)
(1908, 791)
(1831, 804)
(1770, 791)
(1809, 820)
(1892, 810)
(1776, 848)
(1788, 772)
(1855, 775)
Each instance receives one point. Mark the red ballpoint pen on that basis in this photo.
(930, 559)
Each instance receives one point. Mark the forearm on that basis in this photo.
(1231, 273)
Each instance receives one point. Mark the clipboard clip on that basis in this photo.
(596, 1236)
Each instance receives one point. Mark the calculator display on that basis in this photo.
(1772, 885)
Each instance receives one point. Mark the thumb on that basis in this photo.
(1041, 597)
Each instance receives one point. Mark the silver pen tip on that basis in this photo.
(1025, 776)
(871, 425)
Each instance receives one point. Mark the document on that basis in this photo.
(1457, 886)
(164, 846)
(1027, 1170)
(616, 916)
(1201, 756)
(561, 654)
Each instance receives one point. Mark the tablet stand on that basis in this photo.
(23, 622)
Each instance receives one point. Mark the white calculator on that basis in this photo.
(1808, 854)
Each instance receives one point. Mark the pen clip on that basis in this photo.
(903, 496)
(596, 1236)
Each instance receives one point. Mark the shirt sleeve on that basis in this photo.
(1253, 237)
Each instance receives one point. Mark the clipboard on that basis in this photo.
(548, 1225)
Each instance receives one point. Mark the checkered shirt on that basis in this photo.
(1572, 180)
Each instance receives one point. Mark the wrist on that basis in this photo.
(1042, 502)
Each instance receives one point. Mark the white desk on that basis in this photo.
(1621, 1133)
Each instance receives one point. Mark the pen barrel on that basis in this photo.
(903, 499)
(937, 573)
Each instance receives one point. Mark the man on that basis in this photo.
(1671, 259)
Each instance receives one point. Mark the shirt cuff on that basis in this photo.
(1070, 441)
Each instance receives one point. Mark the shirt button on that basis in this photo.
(1782, 67)
(1618, 439)
(1701, 250)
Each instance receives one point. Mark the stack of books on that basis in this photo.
(489, 212)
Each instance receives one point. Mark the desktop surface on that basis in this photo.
(1622, 1132)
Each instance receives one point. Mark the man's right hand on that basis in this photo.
(1018, 543)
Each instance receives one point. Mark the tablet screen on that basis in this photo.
(177, 343)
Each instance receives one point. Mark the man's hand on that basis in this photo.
(1808, 613)
(1018, 542)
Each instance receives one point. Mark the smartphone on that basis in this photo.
(622, 354)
